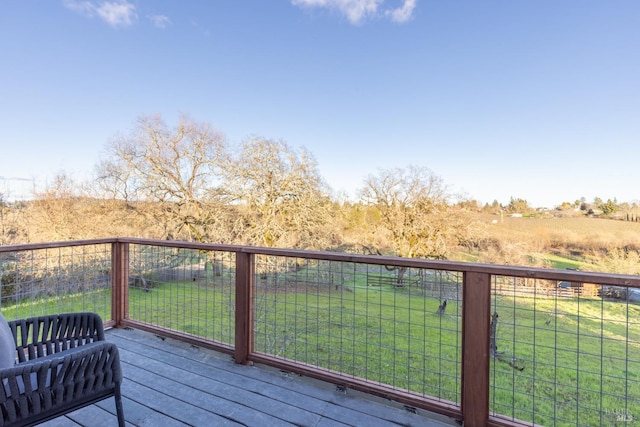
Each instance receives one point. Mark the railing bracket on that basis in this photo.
(411, 409)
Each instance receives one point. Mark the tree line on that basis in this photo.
(187, 182)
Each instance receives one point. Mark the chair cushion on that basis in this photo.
(7, 345)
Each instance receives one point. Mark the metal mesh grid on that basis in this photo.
(363, 321)
(56, 280)
(186, 290)
(561, 357)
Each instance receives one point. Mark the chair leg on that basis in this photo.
(119, 409)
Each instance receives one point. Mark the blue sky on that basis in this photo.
(529, 99)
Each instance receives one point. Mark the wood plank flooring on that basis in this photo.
(170, 383)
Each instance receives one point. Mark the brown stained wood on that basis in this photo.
(463, 267)
(245, 268)
(120, 282)
(52, 245)
(499, 421)
(475, 348)
(475, 385)
(498, 270)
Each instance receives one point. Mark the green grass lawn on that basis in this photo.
(96, 301)
(562, 262)
(580, 358)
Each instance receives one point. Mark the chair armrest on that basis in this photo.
(37, 337)
(90, 363)
(44, 388)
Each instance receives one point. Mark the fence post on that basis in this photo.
(119, 282)
(476, 311)
(245, 268)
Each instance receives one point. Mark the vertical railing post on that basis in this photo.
(245, 268)
(119, 282)
(476, 308)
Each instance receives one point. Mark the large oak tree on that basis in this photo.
(280, 194)
(413, 208)
(172, 175)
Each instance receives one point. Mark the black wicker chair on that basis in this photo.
(63, 364)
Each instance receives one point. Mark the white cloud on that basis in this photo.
(119, 13)
(354, 10)
(82, 7)
(403, 13)
(160, 21)
(357, 11)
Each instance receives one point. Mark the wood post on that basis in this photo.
(119, 282)
(476, 310)
(245, 277)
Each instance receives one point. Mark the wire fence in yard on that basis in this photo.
(563, 361)
(185, 290)
(559, 351)
(397, 326)
(56, 280)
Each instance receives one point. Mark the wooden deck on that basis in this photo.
(169, 383)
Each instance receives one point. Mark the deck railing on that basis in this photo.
(486, 344)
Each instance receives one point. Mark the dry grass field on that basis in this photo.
(579, 242)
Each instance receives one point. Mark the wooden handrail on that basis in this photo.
(462, 267)
(473, 408)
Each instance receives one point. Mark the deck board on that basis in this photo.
(170, 383)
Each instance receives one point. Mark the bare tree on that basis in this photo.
(413, 208)
(281, 195)
(53, 214)
(172, 175)
(414, 213)
(12, 227)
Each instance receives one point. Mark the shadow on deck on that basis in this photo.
(170, 383)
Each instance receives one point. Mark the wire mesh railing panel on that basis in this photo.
(383, 324)
(186, 290)
(564, 353)
(39, 282)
